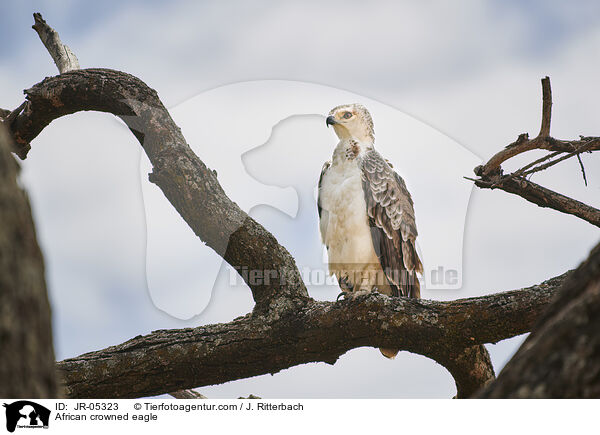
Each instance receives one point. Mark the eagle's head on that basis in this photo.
(352, 121)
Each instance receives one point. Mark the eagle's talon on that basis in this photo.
(344, 294)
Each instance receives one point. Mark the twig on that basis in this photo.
(519, 172)
(62, 55)
(581, 149)
(546, 107)
(582, 168)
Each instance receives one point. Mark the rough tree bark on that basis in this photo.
(251, 345)
(27, 367)
(191, 187)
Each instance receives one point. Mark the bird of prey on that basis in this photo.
(366, 214)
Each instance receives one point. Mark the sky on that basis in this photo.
(462, 76)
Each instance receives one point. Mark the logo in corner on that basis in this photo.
(26, 414)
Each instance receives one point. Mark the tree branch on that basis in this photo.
(170, 360)
(62, 55)
(191, 187)
(491, 175)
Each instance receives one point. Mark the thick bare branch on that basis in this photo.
(191, 187)
(253, 345)
(62, 55)
(561, 356)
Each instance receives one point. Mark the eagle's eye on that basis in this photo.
(347, 115)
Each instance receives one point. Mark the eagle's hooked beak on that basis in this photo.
(330, 121)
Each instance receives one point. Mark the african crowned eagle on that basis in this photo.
(366, 214)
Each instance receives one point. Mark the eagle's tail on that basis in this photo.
(389, 353)
(412, 290)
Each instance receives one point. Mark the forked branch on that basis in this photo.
(491, 175)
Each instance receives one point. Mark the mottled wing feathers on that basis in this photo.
(322, 221)
(392, 220)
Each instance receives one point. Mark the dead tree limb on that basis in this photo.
(62, 55)
(191, 187)
(491, 175)
(253, 345)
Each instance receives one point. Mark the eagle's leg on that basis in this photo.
(347, 288)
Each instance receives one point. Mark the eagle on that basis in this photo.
(366, 214)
